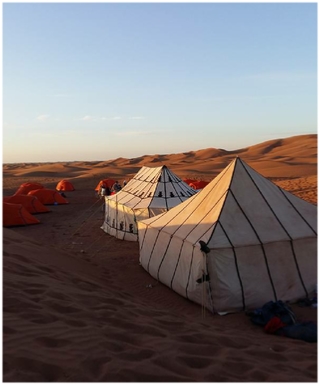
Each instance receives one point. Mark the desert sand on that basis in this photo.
(78, 307)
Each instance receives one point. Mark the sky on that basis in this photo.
(98, 81)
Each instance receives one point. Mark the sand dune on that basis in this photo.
(77, 307)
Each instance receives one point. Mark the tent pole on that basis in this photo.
(116, 216)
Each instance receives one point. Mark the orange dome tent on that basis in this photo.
(196, 184)
(28, 186)
(17, 215)
(30, 202)
(48, 197)
(188, 181)
(107, 182)
(65, 185)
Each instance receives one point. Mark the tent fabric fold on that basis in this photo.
(261, 243)
(48, 197)
(28, 186)
(17, 215)
(152, 191)
(31, 203)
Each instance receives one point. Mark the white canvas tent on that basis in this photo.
(153, 190)
(240, 242)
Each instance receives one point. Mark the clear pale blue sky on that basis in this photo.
(97, 81)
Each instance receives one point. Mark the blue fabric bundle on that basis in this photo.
(306, 331)
(272, 309)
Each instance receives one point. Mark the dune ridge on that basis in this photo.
(278, 160)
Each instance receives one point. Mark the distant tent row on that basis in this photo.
(238, 243)
(150, 192)
(31, 198)
(25, 188)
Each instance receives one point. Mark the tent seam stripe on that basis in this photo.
(165, 254)
(261, 244)
(308, 224)
(191, 263)
(174, 273)
(283, 227)
(298, 268)
(237, 266)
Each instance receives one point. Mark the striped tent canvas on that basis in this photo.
(238, 243)
(152, 191)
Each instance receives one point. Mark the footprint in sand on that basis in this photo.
(62, 309)
(52, 342)
(34, 291)
(46, 269)
(14, 305)
(48, 372)
(17, 256)
(75, 323)
(95, 365)
(195, 362)
(57, 295)
(84, 285)
(43, 319)
(7, 330)
(137, 355)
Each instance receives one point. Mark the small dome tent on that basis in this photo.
(107, 182)
(30, 202)
(153, 190)
(17, 215)
(237, 244)
(48, 197)
(65, 185)
(28, 186)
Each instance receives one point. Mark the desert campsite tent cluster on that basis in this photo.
(234, 245)
(229, 245)
(29, 199)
